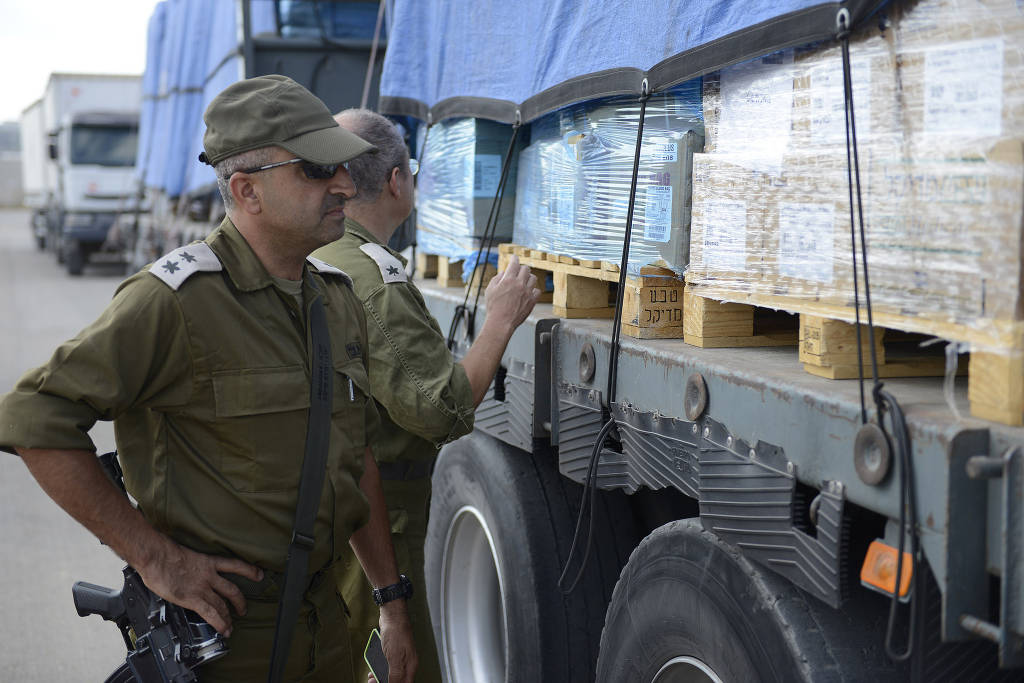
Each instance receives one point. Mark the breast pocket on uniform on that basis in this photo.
(351, 392)
(261, 425)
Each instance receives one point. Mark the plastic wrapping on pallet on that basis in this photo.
(460, 169)
(574, 180)
(936, 96)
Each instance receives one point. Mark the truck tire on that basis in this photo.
(121, 674)
(689, 607)
(74, 257)
(501, 524)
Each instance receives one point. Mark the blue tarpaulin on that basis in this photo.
(490, 58)
(192, 53)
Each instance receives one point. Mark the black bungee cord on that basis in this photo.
(462, 310)
(885, 403)
(590, 483)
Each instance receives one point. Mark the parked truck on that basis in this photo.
(33, 169)
(79, 143)
(756, 509)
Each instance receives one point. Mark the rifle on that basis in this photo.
(165, 642)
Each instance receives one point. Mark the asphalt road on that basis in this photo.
(42, 550)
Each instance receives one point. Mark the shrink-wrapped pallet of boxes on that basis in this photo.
(573, 194)
(460, 168)
(939, 98)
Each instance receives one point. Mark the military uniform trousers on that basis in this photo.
(320, 645)
(408, 506)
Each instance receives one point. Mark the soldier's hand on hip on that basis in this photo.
(511, 294)
(397, 641)
(194, 581)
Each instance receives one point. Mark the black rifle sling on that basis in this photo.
(314, 465)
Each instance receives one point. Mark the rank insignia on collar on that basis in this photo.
(355, 349)
(391, 269)
(184, 262)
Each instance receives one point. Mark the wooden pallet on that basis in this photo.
(708, 323)
(828, 346)
(448, 272)
(652, 302)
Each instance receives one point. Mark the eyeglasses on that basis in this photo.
(309, 169)
(414, 166)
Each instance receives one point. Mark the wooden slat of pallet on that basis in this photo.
(426, 265)
(646, 308)
(449, 272)
(833, 343)
(580, 297)
(828, 348)
(713, 324)
(995, 387)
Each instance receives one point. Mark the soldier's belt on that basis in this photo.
(404, 470)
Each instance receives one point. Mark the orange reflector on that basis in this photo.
(879, 570)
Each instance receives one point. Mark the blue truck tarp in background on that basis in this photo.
(490, 58)
(192, 54)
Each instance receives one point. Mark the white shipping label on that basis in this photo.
(828, 101)
(486, 174)
(757, 111)
(660, 153)
(963, 89)
(725, 235)
(805, 241)
(658, 213)
(565, 211)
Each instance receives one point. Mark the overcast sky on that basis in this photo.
(38, 37)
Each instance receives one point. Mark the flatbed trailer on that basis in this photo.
(767, 456)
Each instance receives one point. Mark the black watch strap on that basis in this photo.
(402, 589)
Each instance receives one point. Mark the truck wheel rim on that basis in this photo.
(686, 670)
(474, 636)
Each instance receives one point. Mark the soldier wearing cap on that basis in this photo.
(202, 363)
(427, 398)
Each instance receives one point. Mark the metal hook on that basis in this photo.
(843, 21)
(645, 89)
(519, 118)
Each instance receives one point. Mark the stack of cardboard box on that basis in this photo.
(939, 104)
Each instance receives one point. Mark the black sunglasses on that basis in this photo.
(309, 169)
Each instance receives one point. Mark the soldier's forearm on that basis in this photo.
(484, 356)
(372, 542)
(75, 481)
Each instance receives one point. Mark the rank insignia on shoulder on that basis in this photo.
(177, 266)
(391, 269)
(324, 267)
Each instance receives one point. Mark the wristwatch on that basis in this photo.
(402, 589)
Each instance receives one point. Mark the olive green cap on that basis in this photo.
(275, 110)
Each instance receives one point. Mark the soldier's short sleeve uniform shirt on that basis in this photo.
(205, 372)
(426, 394)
